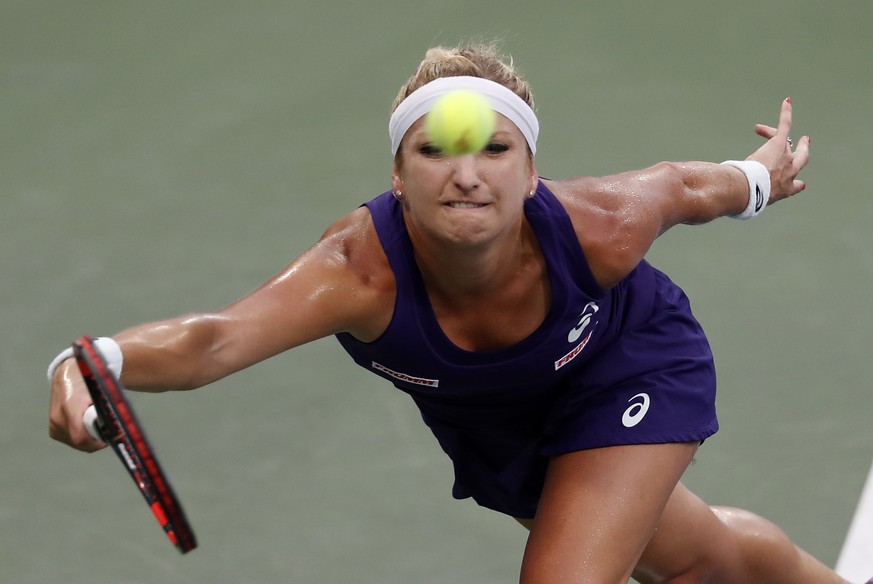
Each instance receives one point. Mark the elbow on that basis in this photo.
(677, 178)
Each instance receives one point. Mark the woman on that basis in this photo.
(564, 376)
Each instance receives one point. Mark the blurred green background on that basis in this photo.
(165, 157)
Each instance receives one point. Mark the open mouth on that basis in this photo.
(465, 205)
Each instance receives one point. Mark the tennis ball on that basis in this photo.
(461, 122)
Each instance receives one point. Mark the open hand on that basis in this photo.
(782, 157)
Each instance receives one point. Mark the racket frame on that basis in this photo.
(120, 429)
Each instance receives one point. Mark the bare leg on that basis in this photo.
(695, 543)
(698, 543)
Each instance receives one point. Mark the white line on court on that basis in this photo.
(856, 559)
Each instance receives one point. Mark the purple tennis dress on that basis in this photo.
(629, 365)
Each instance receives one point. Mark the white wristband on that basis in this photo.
(107, 347)
(759, 186)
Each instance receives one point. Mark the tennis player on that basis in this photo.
(564, 376)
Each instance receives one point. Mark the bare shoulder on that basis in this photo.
(342, 283)
(614, 219)
(355, 243)
(350, 249)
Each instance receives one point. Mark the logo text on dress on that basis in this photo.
(404, 377)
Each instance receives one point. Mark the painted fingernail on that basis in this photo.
(788, 99)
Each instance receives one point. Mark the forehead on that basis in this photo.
(504, 127)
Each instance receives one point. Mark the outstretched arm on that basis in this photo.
(618, 217)
(337, 285)
(697, 192)
(328, 289)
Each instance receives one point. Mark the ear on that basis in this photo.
(534, 177)
(396, 181)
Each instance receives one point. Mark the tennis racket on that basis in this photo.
(112, 419)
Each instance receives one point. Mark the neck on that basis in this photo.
(457, 271)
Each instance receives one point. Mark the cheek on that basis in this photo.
(524, 179)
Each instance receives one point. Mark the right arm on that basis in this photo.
(341, 284)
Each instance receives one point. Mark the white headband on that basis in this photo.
(503, 101)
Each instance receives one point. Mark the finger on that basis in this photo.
(57, 432)
(797, 186)
(765, 131)
(801, 153)
(78, 439)
(784, 128)
(85, 442)
(80, 436)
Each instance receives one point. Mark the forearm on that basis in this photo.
(176, 354)
(743, 189)
(703, 192)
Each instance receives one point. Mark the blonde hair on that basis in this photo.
(474, 60)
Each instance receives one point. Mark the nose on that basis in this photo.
(465, 172)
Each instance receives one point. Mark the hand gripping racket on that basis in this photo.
(114, 421)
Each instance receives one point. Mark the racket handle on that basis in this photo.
(90, 420)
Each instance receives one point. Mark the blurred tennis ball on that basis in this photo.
(461, 122)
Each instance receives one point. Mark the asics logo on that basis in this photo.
(584, 319)
(637, 411)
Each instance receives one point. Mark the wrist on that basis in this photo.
(758, 179)
(57, 361)
(107, 346)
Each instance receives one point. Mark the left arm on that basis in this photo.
(617, 218)
(697, 192)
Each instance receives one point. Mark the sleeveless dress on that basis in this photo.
(628, 365)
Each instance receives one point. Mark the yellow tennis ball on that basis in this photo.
(461, 122)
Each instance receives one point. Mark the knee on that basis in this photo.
(759, 541)
(740, 547)
(760, 548)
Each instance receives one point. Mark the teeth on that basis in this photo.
(464, 205)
